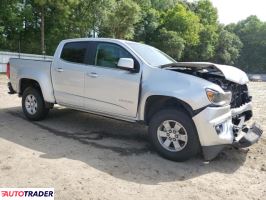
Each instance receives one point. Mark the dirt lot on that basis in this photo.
(88, 157)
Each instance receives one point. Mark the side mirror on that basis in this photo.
(126, 63)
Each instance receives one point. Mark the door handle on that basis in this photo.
(92, 74)
(59, 69)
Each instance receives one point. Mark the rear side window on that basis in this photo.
(75, 52)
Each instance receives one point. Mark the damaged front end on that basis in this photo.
(222, 125)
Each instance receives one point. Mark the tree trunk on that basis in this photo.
(42, 31)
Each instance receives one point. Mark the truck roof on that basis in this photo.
(97, 39)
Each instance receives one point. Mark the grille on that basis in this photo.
(240, 95)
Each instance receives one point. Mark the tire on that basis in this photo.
(33, 104)
(173, 135)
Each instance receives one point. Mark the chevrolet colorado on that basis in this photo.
(189, 107)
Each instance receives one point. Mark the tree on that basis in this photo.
(146, 28)
(172, 43)
(228, 47)
(184, 22)
(45, 6)
(20, 23)
(120, 19)
(208, 36)
(11, 23)
(252, 33)
(162, 5)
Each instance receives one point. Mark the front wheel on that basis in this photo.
(33, 104)
(174, 135)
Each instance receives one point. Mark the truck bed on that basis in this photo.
(34, 69)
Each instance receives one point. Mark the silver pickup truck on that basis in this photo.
(190, 108)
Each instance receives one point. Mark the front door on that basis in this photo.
(109, 89)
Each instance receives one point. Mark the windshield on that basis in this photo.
(151, 55)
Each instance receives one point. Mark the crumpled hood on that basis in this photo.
(230, 73)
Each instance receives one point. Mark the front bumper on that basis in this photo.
(248, 136)
(216, 129)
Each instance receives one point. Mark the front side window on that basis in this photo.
(108, 55)
(74, 52)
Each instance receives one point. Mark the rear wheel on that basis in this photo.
(33, 104)
(174, 135)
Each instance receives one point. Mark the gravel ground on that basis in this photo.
(89, 157)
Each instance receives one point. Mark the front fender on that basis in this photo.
(184, 87)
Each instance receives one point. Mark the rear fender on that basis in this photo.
(44, 83)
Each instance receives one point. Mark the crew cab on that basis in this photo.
(189, 107)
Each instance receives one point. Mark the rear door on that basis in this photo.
(68, 74)
(109, 89)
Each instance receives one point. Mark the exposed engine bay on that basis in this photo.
(240, 94)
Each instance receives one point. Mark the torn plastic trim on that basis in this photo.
(249, 136)
(241, 109)
(246, 138)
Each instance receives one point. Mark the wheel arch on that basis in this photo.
(24, 83)
(155, 103)
(42, 84)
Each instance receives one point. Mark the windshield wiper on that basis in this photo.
(169, 65)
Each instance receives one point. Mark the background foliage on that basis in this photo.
(187, 31)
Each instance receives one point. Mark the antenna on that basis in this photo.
(19, 47)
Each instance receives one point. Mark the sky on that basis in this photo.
(235, 10)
